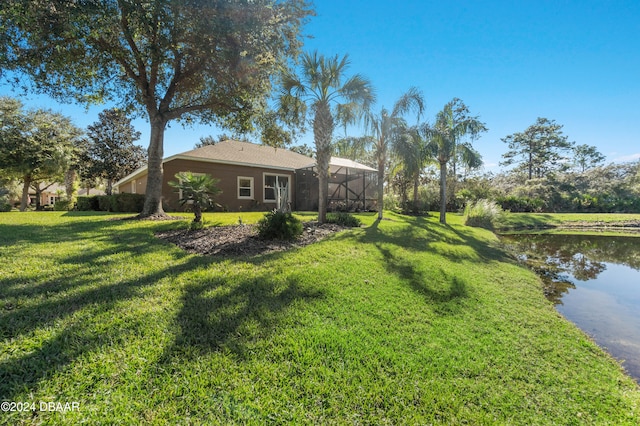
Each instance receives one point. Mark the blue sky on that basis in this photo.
(577, 62)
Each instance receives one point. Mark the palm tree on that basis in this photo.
(323, 86)
(197, 191)
(452, 124)
(389, 126)
(411, 148)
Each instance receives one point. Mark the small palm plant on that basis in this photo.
(197, 191)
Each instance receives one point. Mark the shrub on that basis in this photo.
(279, 226)
(105, 203)
(5, 205)
(128, 203)
(123, 203)
(517, 204)
(390, 202)
(483, 214)
(63, 205)
(343, 219)
(86, 204)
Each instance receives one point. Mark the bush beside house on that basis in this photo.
(121, 203)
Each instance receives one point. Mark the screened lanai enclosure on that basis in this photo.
(352, 187)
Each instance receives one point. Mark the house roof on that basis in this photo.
(252, 155)
(246, 153)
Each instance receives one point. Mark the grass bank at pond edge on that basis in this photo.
(401, 321)
(600, 223)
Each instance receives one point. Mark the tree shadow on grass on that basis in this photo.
(79, 268)
(421, 235)
(80, 336)
(84, 285)
(441, 289)
(56, 320)
(445, 289)
(231, 317)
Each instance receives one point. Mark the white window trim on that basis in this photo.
(264, 175)
(133, 186)
(251, 188)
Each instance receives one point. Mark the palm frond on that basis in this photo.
(412, 100)
(358, 89)
(471, 158)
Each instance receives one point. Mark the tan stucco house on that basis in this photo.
(249, 175)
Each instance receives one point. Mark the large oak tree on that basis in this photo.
(190, 60)
(36, 146)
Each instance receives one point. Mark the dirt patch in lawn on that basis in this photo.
(242, 240)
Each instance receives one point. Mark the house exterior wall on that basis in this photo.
(231, 198)
(140, 184)
(234, 196)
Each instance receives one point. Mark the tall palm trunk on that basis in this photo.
(443, 192)
(322, 132)
(381, 157)
(153, 193)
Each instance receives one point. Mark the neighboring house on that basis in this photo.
(48, 196)
(53, 192)
(249, 175)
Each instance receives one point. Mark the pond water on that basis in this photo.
(594, 281)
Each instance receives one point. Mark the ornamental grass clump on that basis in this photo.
(483, 214)
(277, 225)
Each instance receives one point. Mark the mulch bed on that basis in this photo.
(242, 240)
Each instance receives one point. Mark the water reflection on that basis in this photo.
(594, 281)
(562, 259)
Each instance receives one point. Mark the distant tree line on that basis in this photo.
(40, 148)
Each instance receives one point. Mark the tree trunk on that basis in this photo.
(323, 187)
(25, 193)
(197, 212)
(69, 184)
(443, 192)
(322, 134)
(415, 194)
(109, 188)
(38, 197)
(381, 161)
(153, 193)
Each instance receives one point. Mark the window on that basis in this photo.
(245, 188)
(52, 199)
(133, 186)
(271, 183)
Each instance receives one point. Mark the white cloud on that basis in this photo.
(627, 158)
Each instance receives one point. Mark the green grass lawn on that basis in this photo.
(403, 321)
